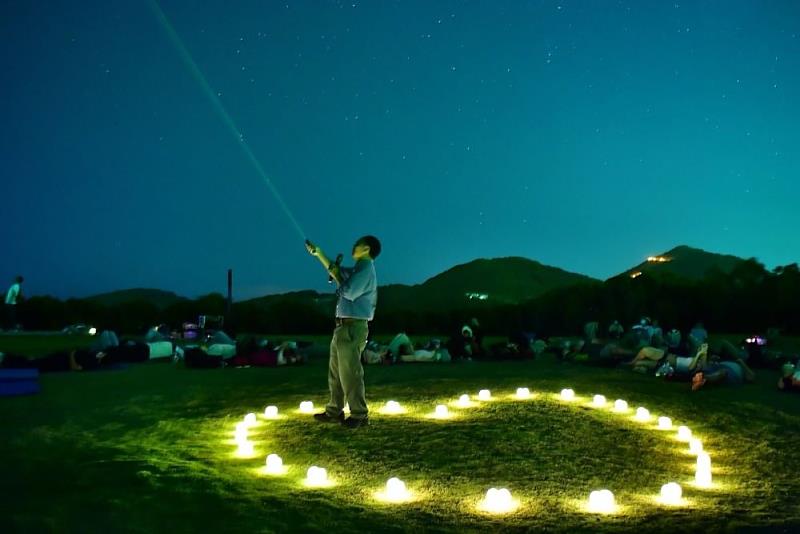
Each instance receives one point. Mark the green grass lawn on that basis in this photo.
(149, 449)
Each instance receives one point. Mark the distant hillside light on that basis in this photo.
(637, 274)
(477, 296)
(658, 259)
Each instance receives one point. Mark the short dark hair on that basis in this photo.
(374, 245)
(20, 279)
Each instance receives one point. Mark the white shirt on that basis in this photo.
(13, 293)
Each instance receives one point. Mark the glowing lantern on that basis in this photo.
(274, 464)
(463, 401)
(671, 493)
(250, 419)
(642, 414)
(271, 412)
(567, 394)
(441, 411)
(92, 331)
(664, 423)
(484, 395)
(620, 405)
(695, 446)
(316, 476)
(523, 393)
(601, 501)
(598, 401)
(392, 407)
(306, 407)
(684, 434)
(702, 477)
(396, 491)
(245, 448)
(498, 501)
(703, 462)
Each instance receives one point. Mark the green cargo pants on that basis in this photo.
(345, 372)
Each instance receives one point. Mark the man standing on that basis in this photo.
(13, 296)
(357, 294)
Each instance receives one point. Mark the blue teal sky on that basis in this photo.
(585, 135)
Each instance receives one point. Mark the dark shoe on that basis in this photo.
(325, 418)
(351, 422)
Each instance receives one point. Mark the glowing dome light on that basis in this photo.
(274, 465)
(602, 502)
(567, 394)
(620, 405)
(392, 407)
(523, 393)
(642, 414)
(395, 491)
(245, 449)
(317, 476)
(684, 434)
(484, 395)
(703, 462)
(92, 331)
(240, 435)
(598, 401)
(671, 493)
(441, 412)
(664, 423)
(695, 446)
(241, 427)
(498, 501)
(463, 401)
(702, 477)
(250, 419)
(271, 412)
(306, 407)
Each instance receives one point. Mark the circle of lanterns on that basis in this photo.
(496, 500)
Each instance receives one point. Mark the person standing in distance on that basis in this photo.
(357, 298)
(13, 296)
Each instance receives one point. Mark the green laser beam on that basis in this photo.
(220, 109)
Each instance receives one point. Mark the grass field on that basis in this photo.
(149, 449)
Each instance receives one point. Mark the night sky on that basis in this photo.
(583, 134)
